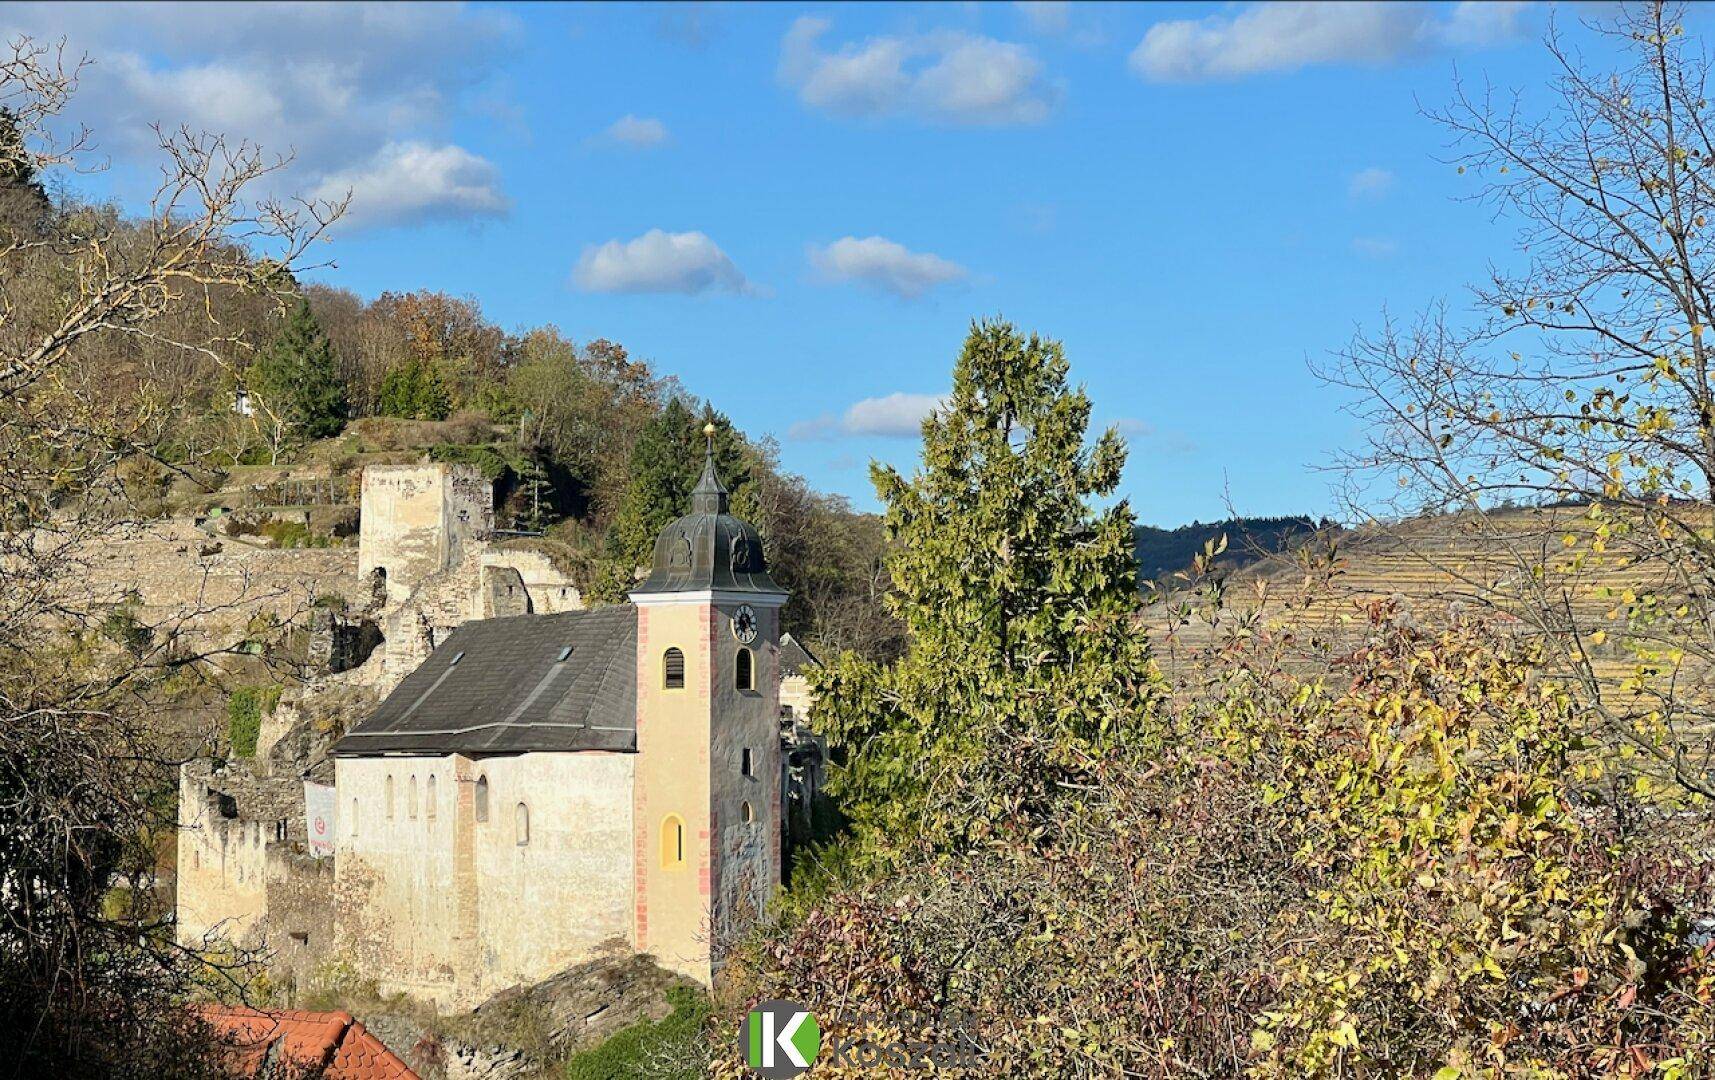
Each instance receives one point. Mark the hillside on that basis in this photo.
(1163, 552)
(1434, 563)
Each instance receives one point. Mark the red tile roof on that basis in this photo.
(331, 1041)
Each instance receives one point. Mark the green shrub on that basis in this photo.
(244, 712)
(668, 1048)
(294, 534)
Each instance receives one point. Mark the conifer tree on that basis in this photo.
(297, 378)
(1024, 659)
(414, 390)
(665, 465)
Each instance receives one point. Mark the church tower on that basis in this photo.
(706, 796)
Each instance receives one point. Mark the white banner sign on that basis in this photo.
(318, 813)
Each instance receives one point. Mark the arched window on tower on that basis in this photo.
(672, 842)
(744, 671)
(411, 803)
(389, 796)
(673, 670)
(482, 798)
(521, 823)
(429, 798)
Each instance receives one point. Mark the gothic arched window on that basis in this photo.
(482, 798)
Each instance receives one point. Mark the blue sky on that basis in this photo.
(798, 210)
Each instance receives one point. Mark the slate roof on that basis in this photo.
(289, 1041)
(794, 658)
(709, 548)
(499, 686)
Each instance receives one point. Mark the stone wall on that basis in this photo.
(444, 901)
(418, 520)
(208, 589)
(244, 873)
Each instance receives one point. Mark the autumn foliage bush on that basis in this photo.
(1407, 864)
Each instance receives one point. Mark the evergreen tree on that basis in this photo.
(665, 464)
(1024, 660)
(297, 377)
(414, 390)
(24, 204)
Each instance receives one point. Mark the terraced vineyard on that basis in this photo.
(1433, 565)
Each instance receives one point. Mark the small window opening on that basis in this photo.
(482, 798)
(521, 821)
(429, 798)
(747, 762)
(672, 842)
(747, 813)
(673, 670)
(744, 671)
(389, 796)
(352, 828)
(411, 805)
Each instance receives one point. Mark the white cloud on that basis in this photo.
(883, 264)
(1375, 247)
(1045, 16)
(659, 262)
(1287, 35)
(1482, 23)
(1132, 427)
(947, 77)
(410, 182)
(897, 415)
(639, 131)
(335, 85)
(1370, 183)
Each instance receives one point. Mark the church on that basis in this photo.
(542, 785)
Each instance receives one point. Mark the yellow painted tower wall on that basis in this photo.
(690, 775)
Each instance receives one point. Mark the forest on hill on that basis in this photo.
(585, 442)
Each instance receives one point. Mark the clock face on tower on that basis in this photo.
(744, 624)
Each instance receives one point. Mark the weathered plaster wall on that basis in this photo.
(451, 908)
(418, 520)
(747, 851)
(551, 589)
(795, 694)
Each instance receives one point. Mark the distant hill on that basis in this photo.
(1161, 552)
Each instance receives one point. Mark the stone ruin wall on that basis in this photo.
(209, 588)
(245, 873)
(247, 879)
(418, 520)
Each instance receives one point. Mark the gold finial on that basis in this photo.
(709, 429)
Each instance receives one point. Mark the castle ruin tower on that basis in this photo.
(706, 800)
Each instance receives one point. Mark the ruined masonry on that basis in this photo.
(520, 784)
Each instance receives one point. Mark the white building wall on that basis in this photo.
(452, 908)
